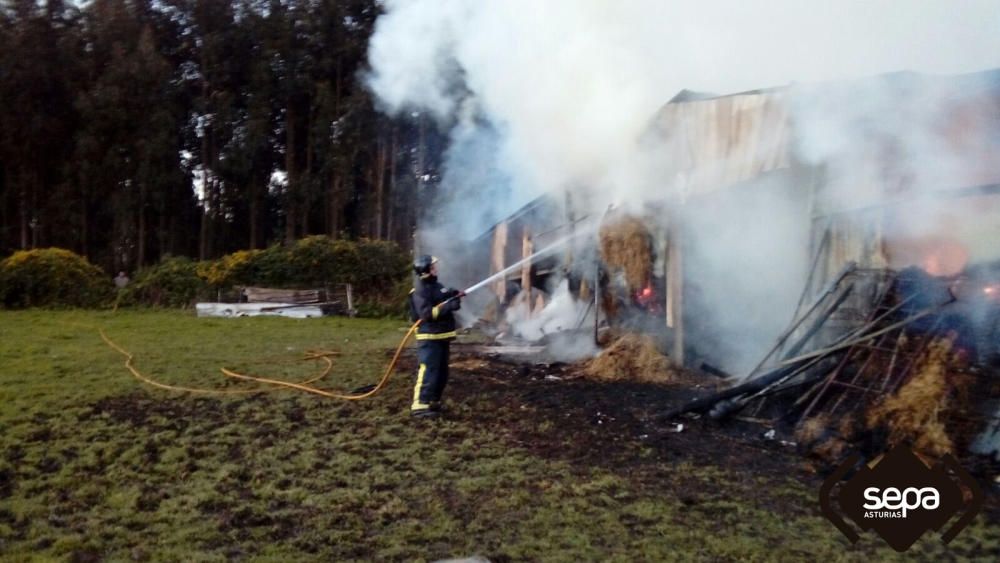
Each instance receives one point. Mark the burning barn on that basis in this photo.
(825, 257)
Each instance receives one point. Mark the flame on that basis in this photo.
(938, 256)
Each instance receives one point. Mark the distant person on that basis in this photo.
(434, 307)
(121, 280)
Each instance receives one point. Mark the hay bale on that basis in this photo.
(917, 412)
(826, 440)
(627, 246)
(812, 430)
(631, 357)
(831, 451)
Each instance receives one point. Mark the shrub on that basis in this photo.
(174, 282)
(238, 268)
(318, 259)
(393, 302)
(378, 271)
(52, 277)
(381, 266)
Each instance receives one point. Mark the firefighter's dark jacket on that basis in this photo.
(427, 303)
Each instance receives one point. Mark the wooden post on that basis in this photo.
(675, 292)
(527, 249)
(571, 221)
(597, 301)
(498, 262)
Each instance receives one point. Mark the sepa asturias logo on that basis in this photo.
(893, 503)
(900, 498)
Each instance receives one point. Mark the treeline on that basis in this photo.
(135, 129)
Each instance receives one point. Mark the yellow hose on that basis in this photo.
(348, 397)
(129, 357)
(270, 384)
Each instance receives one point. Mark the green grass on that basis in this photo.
(97, 465)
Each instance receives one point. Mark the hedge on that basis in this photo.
(46, 277)
(377, 270)
(174, 282)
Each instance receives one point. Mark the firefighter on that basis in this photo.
(434, 306)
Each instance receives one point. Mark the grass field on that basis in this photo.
(97, 466)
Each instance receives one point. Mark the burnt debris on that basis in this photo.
(879, 357)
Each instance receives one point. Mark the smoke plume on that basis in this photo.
(545, 97)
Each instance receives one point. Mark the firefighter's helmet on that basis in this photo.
(422, 265)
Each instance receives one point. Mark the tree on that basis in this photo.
(132, 129)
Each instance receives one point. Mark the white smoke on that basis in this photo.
(544, 97)
(558, 315)
(562, 89)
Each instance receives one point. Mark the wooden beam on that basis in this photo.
(498, 252)
(675, 291)
(527, 249)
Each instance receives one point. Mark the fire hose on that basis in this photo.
(362, 392)
(269, 384)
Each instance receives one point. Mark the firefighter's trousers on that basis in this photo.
(432, 374)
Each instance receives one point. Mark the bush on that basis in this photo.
(369, 265)
(174, 282)
(377, 270)
(381, 265)
(318, 259)
(392, 303)
(52, 277)
(238, 268)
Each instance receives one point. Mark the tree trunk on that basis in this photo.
(390, 220)
(254, 211)
(308, 196)
(291, 175)
(84, 224)
(333, 207)
(23, 209)
(378, 180)
(206, 190)
(141, 259)
(162, 230)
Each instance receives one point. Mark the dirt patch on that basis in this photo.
(553, 412)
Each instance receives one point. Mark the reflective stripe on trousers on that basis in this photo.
(432, 376)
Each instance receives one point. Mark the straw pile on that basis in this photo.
(631, 357)
(917, 413)
(626, 246)
(826, 441)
